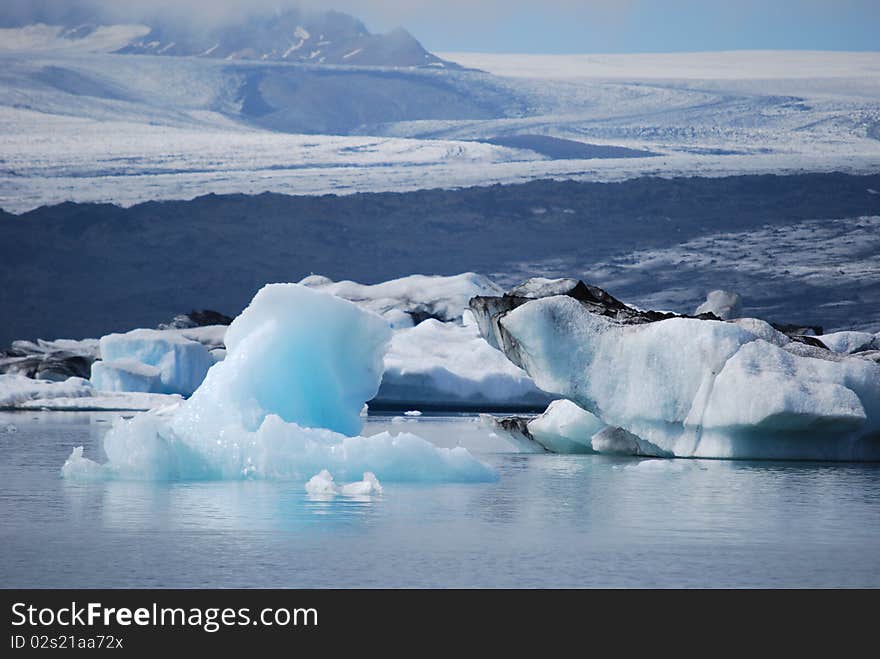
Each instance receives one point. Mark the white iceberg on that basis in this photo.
(322, 484)
(724, 304)
(849, 342)
(565, 428)
(285, 404)
(409, 300)
(436, 359)
(182, 363)
(451, 366)
(18, 392)
(699, 387)
(126, 375)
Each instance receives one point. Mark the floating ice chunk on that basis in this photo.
(182, 362)
(850, 342)
(18, 390)
(417, 297)
(699, 387)
(562, 428)
(210, 336)
(305, 356)
(724, 304)
(81, 468)
(126, 375)
(617, 441)
(369, 485)
(322, 484)
(111, 401)
(450, 365)
(565, 428)
(11, 428)
(283, 404)
(23, 393)
(514, 430)
(413, 413)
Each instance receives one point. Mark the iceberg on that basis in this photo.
(694, 387)
(285, 403)
(407, 301)
(447, 365)
(562, 428)
(322, 484)
(179, 362)
(726, 305)
(850, 343)
(126, 375)
(566, 428)
(18, 392)
(437, 358)
(50, 360)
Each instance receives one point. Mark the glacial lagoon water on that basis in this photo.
(549, 521)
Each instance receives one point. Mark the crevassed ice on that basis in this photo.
(285, 403)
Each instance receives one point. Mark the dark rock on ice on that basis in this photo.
(200, 318)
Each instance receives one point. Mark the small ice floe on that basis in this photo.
(11, 428)
(412, 413)
(322, 484)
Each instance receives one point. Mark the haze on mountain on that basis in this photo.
(262, 32)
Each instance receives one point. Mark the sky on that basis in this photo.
(560, 26)
(620, 26)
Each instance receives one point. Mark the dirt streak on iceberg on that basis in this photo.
(284, 404)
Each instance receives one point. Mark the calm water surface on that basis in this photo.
(548, 521)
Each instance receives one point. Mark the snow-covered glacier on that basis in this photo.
(285, 404)
(692, 387)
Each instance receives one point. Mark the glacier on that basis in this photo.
(693, 387)
(285, 403)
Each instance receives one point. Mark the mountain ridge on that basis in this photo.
(328, 37)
